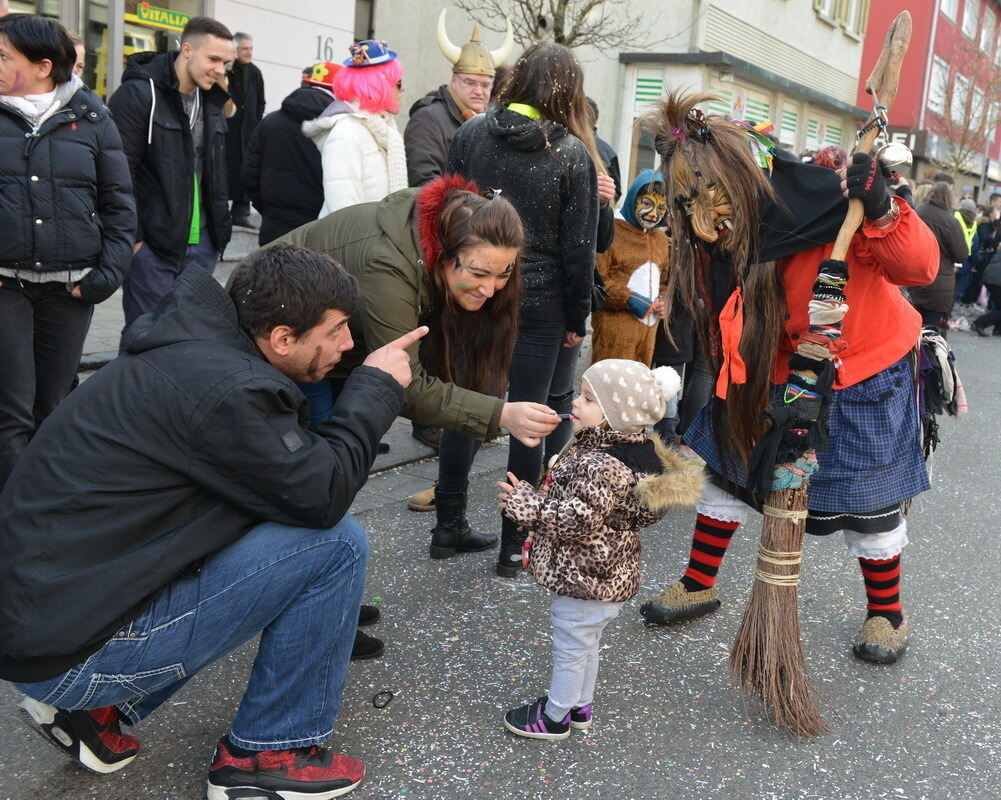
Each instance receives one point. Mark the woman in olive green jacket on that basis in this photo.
(443, 256)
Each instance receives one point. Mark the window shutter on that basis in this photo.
(841, 9)
(863, 17)
(818, 5)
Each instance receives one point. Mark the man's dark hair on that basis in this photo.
(204, 26)
(944, 176)
(38, 38)
(993, 195)
(289, 285)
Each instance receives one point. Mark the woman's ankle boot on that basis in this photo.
(509, 558)
(452, 533)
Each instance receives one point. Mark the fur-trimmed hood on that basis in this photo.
(431, 199)
(668, 478)
(680, 484)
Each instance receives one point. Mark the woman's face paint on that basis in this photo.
(478, 273)
(650, 208)
(18, 75)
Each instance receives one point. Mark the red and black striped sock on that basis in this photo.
(709, 543)
(882, 588)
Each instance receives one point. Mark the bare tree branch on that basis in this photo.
(609, 24)
(967, 124)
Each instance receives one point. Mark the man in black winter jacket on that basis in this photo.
(282, 171)
(246, 87)
(169, 113)
(178, 503)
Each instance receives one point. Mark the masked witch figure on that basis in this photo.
(633, 270)
(751, 225)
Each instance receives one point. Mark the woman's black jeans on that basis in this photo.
(542, 371)
(44, 328)
(455, 460)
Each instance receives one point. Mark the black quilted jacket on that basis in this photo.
(66, 195)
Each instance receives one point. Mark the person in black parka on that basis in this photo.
(282, 172)
(169, 112)
(66, 223)
(536, 146)
(935, 300)
(246, 87)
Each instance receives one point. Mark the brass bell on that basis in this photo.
(895, 156)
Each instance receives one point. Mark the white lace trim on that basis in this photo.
(877, 546)
(720, 505)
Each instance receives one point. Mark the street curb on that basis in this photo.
(94, 361)
(404, 463)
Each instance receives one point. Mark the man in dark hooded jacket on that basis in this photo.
(169, 113)
(178, 504)
(246, 87)
(282, 172)
(436, 117)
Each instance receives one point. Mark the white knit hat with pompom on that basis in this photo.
(631, 395)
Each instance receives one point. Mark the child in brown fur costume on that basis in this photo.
(634, 273)
(614, 478)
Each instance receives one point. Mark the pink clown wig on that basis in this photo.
(372, 88)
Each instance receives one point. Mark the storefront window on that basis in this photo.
(47, 8)
(144, 26)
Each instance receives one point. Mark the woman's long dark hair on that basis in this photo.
(473, 349)
(549, 78)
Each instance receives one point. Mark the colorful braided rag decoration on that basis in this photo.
(761, 146)
(785, 457)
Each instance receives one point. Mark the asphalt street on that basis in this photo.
(463, 646)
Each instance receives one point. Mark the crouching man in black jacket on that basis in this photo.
(178, 503)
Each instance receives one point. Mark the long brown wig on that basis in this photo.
(473, 349)
(715, 187)
(549, 78)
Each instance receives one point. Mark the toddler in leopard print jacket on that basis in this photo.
(614, 478)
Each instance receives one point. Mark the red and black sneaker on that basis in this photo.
(303, 772)
(93, 738)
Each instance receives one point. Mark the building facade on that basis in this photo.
(795, 62)
(287, 36)
(948, 109)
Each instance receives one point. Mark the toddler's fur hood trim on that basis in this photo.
(679, 485)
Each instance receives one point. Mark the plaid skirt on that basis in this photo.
(873, 457)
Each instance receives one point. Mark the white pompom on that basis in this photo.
(667, 381)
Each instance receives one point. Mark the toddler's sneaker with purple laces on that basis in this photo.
(580, 718)
(531, 721)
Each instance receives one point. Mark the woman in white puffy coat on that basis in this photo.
(361, 148)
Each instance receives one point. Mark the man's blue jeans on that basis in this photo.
(299, 588)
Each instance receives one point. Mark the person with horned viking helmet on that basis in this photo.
(751, 225)
(436, 117)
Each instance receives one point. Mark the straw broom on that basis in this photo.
(767, 660)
